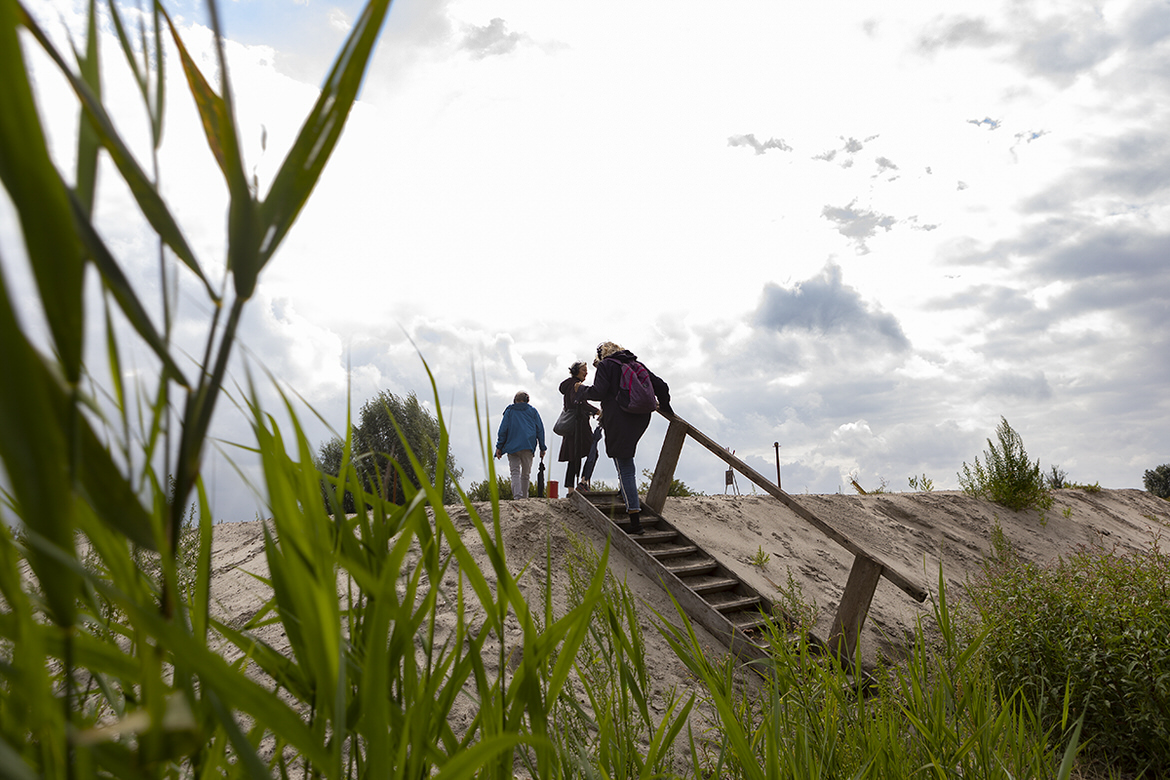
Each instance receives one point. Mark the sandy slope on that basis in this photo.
(915, 532)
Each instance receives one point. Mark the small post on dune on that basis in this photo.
(777, 446)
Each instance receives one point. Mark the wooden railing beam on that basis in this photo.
(676, 436)
(913, 589)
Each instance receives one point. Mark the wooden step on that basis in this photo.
(677, 551)
(746, 620)
(707, 590)
(728, 602)
(705, 585)
(682, 569)
(647, 523)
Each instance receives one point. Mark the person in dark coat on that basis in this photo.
(576, 444)
(622, 429)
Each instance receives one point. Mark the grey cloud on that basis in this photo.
(884, 164)
(1130, 255)
(760, 147)
(857, 224)
(914, 225)
(1057, 47)
(1061, 47)
(1031, 135)
(852, 146)
(1134, 168)
(1065, 249)
(1148, 25)
(1030, 385)
(958, 31)
(992, 124)
(491, 40)
(825, 305)
(994, 301)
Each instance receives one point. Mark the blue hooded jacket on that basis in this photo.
(521, 429)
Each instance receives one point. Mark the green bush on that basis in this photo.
(1097, 622)
(1006, 476)
(1157, 481)
(482, 491)
(388, 426)
(677, 489)
(938, 714)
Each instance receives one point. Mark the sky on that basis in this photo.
(865, 232)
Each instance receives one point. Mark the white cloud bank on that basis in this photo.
(866, 237)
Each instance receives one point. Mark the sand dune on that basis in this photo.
(915, 532)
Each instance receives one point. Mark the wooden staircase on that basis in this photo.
(711, 594)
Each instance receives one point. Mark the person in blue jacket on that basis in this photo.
(520, 431)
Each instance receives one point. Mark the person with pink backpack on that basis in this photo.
(629, 393)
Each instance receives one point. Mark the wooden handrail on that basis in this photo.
(664, 475)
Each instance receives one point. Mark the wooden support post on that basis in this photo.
(672, 446)
(863, 579)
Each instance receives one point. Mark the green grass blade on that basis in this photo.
(101, 482)
(33, 448)
(214, 673)
(87, 141)
(200, 603)
(467, 763)
(218, 126)
(302, 167)
(149, 201)
(220, 130)
(119, 286)
(28, 174)
(12, 766)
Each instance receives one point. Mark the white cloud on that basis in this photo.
(339, 20)
(524, 180)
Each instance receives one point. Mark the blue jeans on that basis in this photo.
(628, 479)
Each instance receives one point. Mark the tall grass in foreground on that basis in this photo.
(1091, 629)
(606, 722)
(112, 669)
(939, 714)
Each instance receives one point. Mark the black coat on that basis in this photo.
(622, 429)
(576, 444)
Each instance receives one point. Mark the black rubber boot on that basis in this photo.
(635, 528)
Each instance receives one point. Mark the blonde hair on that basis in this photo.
(607, 348)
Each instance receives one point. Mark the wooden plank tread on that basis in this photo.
(691, 569)
(747, 620)
(713, 585)
(738, 602)
(671, 552)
